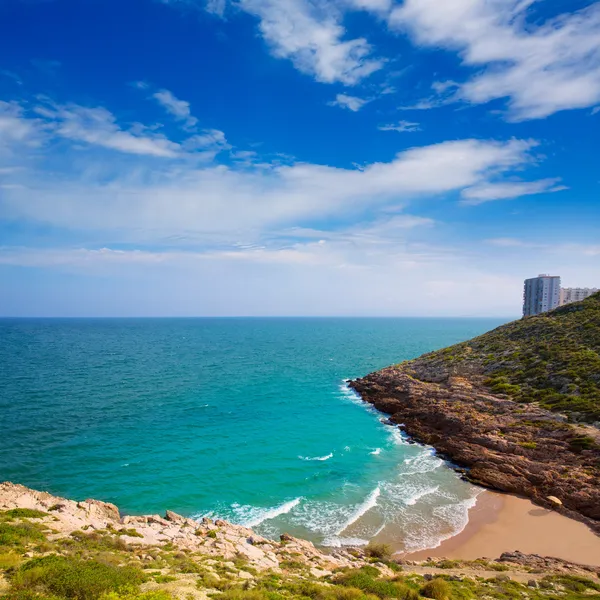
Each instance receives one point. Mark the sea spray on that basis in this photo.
(319, 458)
(266, 514)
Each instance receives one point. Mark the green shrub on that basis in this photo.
(22, 513)
(132, 595)
(19, 534)
(438, 589)
(381, 551)
(69, 577)
(212, 534)
(529, 445)
(367, 583)
(164, 578)
(239, 594)
(8, 560)
(582, 442)
(574, 583)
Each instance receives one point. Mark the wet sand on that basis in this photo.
(501, 523)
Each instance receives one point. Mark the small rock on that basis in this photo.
(428, 577)
(286, 537)
(174, 517)
(532, 583)
(28, 555)
(245, 575)
(556, 501)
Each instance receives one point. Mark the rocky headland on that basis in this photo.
(517, 408)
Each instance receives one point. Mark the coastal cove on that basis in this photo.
(244, 419)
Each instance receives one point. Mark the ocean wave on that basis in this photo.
(369, 502)
(338, 542)
(255, 516)
(376, 451)
(421, 494)
(327, 457)
(398, 437)
(424, 462)
(428, 536)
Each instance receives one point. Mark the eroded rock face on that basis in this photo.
(220, 538)
(516, 448)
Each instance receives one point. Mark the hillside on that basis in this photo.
(57, 549)
(552, 359)
(516, 406)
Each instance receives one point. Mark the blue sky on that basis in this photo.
(296, 157)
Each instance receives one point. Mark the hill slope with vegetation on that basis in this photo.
(552, 359)
(519, 406)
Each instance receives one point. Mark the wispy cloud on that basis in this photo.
(487, 192)
(353, 103)
(540, 69)
(180, 109)
(311, 35)
(401, 127)
(167, 196)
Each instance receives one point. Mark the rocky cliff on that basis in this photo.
(518, 407)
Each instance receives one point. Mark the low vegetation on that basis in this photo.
(100, 566)
(552, 359)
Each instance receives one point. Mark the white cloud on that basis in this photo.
(310, 34)
(98, 127)
(239, 203)
(15, 128)
(216, 7)
(541, 68)
(352, 103)
(401, 127)
(180, 109)
(487, 192)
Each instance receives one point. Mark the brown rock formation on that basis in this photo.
(512, 447)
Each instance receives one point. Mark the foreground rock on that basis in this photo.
(210, 538)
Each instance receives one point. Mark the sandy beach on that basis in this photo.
(501, 523)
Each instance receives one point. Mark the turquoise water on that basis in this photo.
(247, 419)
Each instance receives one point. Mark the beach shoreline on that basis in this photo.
(504, 523)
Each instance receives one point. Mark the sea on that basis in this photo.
(246, 419)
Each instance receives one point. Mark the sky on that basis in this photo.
(296, 157)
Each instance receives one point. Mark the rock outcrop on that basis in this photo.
(517, 448)
(211, 538)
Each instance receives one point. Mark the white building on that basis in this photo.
(568, 295)
(541, 294)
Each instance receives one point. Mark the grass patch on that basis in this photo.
(19, 534)
(22, 513)
(69, 577)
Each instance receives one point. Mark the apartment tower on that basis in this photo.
(541, 294)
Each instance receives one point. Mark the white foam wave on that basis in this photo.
(421, 494)
(376, 451)
(327, 457)
(258, 515)
(369, 502)
(338, 542)
(424, 462)
(398, 436)
(456, 515)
